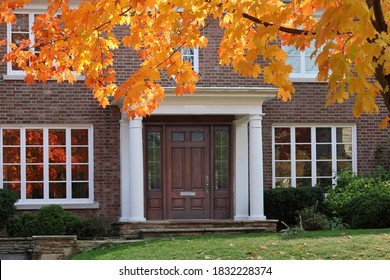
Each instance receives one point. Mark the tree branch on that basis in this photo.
(380, 25)
(379, 22)
(281, 28)
(183, 44)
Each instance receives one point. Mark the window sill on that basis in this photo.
(305, 80)
(16, 77)
(94, 205)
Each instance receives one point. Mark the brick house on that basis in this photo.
(205, 157)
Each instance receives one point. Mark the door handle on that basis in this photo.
(207, 184)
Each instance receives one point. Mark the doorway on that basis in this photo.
(188, 171)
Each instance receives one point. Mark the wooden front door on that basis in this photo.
(188, 172)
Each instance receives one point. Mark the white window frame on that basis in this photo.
(23, 201)
(196, 59)
(31, 10)
(313, 144)
(302, 76)
(19, 73)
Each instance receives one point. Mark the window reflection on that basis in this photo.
(221, 148)
(154, 161)
(42, 153)
(300, 160)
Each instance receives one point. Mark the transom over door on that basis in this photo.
(188, 172)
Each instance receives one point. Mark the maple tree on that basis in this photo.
(351, 40)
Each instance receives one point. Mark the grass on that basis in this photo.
(373, 244)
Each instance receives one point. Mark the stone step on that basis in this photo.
(165, 232)
(132, 230)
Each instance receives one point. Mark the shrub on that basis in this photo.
(72, 222)
(53, 220)
(91, 227)
(24, 225)
(283, 203)
(368, 210)
(7, 206)
(349, 186)
(311, 219)
(50, 220)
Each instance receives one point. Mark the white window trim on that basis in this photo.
(196, 59)
(313, 150)
(302, 77)
(31, 10)
(31, 14)
(73, 203)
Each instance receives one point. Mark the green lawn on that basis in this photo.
(320, 245)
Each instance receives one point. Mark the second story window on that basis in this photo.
(20, 30)
(191, 55)
(303, 65)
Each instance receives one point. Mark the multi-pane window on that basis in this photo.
(46, 165)
(20, 30)
(154, 160)
(311, 155)
(191, 55)
(303, 65)
(221, 148)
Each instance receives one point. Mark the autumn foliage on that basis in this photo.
(351, 39)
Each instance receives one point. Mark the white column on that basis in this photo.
(241, 187)
(125, 160)
(136, 172)
(256, 168)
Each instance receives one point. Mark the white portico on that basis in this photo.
(246, 150)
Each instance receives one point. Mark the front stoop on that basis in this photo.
(168, 228)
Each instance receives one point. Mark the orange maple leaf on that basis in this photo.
(30, 79)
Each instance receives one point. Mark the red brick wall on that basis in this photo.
(71, 104)
(53, 103)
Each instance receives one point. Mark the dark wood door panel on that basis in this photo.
(197, 170)
(177, 168)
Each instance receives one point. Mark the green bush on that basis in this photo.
(368, 210)
(53, 220)
(349, 186)
(91, 227)
(310, 219)
(50, 220)
(72, 222)
(7, 206)
(24, 225)
(283, 203)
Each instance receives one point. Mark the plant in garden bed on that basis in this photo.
(283, 203)
(7, 206)
(53, 220)
(361, 201)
